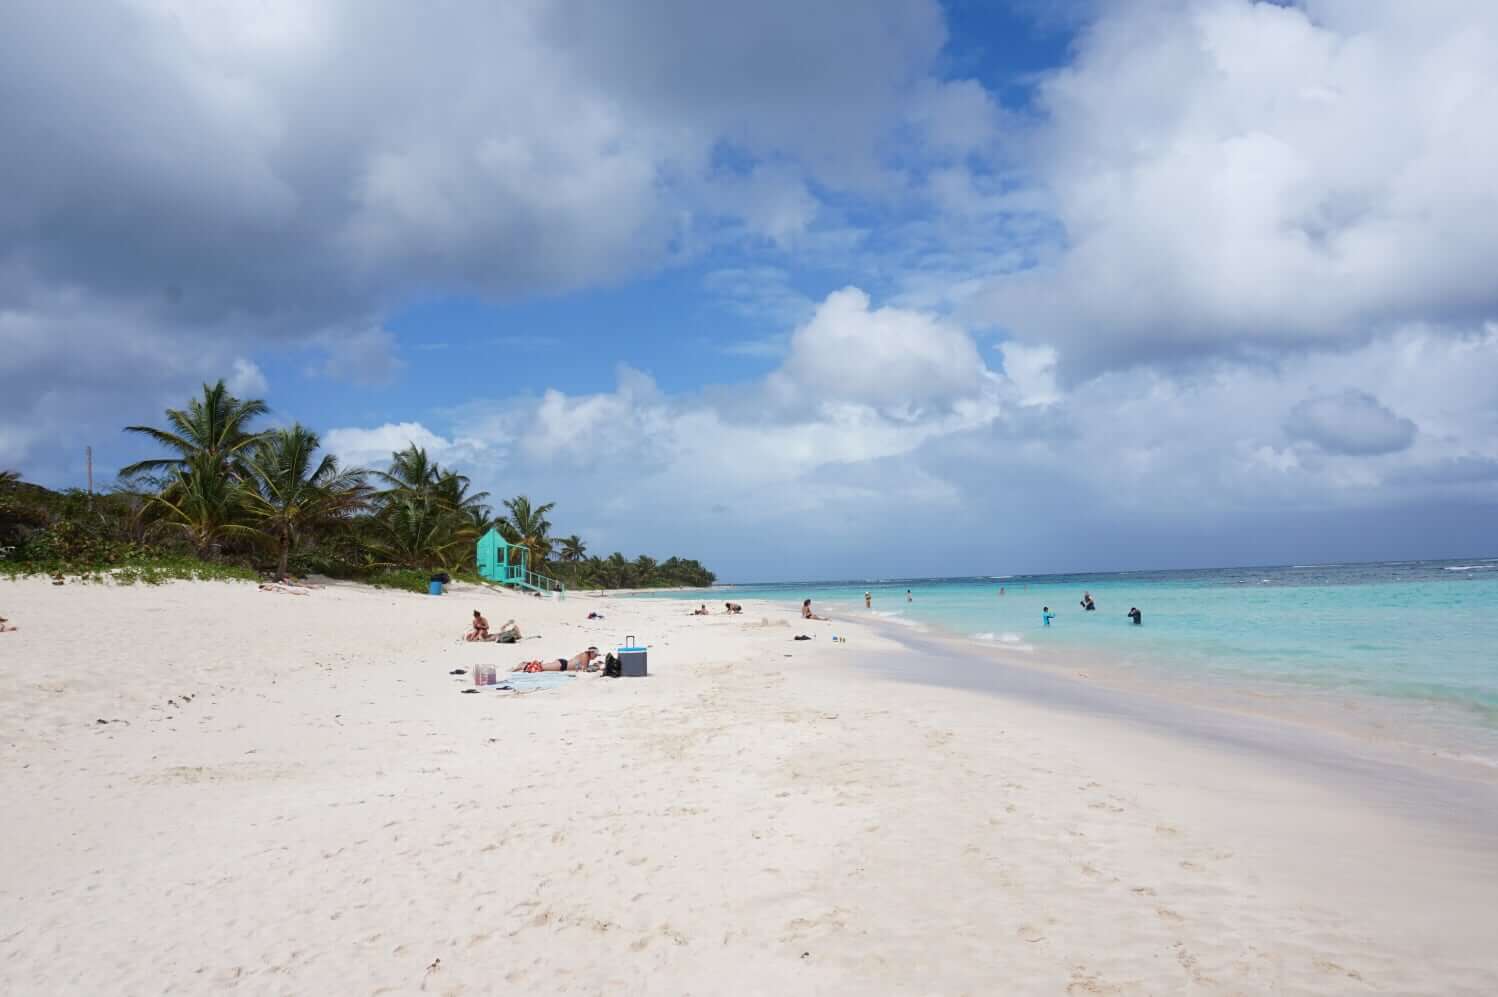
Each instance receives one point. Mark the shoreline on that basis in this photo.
(292, 793)
(1435, 735)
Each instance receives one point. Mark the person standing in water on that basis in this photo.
(1001, 591)
(908, 596)
(868, 601)
(1135, 616)
(1046, 615)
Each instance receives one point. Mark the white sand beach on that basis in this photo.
(211, 788)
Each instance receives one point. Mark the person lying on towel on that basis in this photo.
(580, 662)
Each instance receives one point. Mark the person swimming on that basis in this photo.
(1135, 616)
(1046, 616)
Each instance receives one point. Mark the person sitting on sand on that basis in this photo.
(700, 610)
(480, 629)
(5, 626)
(580, 662)
(732, 608)
(509, 633)
(807, 614)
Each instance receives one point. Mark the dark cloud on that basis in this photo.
(1350, 423)
(185, 183)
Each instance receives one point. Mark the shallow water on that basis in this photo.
(1420, 637)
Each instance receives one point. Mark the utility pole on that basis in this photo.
(88, 455)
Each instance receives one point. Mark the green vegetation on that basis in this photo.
(235, 502)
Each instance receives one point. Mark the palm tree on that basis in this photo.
(214, 427)
(573, 549)
(411, 470)
(8, 480)
(452, 489)
(527, 526)
(419, 531)
(290, 495)
(204, 503)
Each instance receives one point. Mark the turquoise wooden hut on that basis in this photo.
(509, 564)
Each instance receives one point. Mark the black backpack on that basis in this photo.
(611, 666)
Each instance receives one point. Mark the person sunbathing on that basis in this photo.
(807, 614)
(580, 662)
(509, 633)
(480, 629)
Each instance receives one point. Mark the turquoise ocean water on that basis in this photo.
(1420, 633)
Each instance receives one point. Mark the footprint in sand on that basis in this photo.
(1030, 933)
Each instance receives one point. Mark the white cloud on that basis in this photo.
(1133, 461)
(373, 446)
(260, 173)
(246, 380)
(886, 357)
(1235, 175)
(1033, 371)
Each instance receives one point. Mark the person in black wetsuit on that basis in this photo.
(1135, 616)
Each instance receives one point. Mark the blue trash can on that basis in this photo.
(434, 587)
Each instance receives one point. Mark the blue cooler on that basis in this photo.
(631, 659)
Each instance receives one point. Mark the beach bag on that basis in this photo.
(611, 666)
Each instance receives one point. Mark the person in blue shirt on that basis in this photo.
(1046, 615)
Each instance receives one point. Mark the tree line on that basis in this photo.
(270, 501)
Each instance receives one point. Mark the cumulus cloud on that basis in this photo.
(1234, 177)
(371, 447)
(887, 357)
(245, 176)
(1131, 464)
(1350, 423)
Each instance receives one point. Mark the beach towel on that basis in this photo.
(533, 681)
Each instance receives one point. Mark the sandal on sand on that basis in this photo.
(470, 692)
(458, 671)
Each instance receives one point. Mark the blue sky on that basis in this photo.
(1027, 286)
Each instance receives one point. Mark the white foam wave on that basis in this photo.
(1007, 638)
(890, 616)
(1472, 567)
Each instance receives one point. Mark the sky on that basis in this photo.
(859, 288)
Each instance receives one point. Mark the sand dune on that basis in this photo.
(291, 795)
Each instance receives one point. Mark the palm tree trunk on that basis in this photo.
(284, 556)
